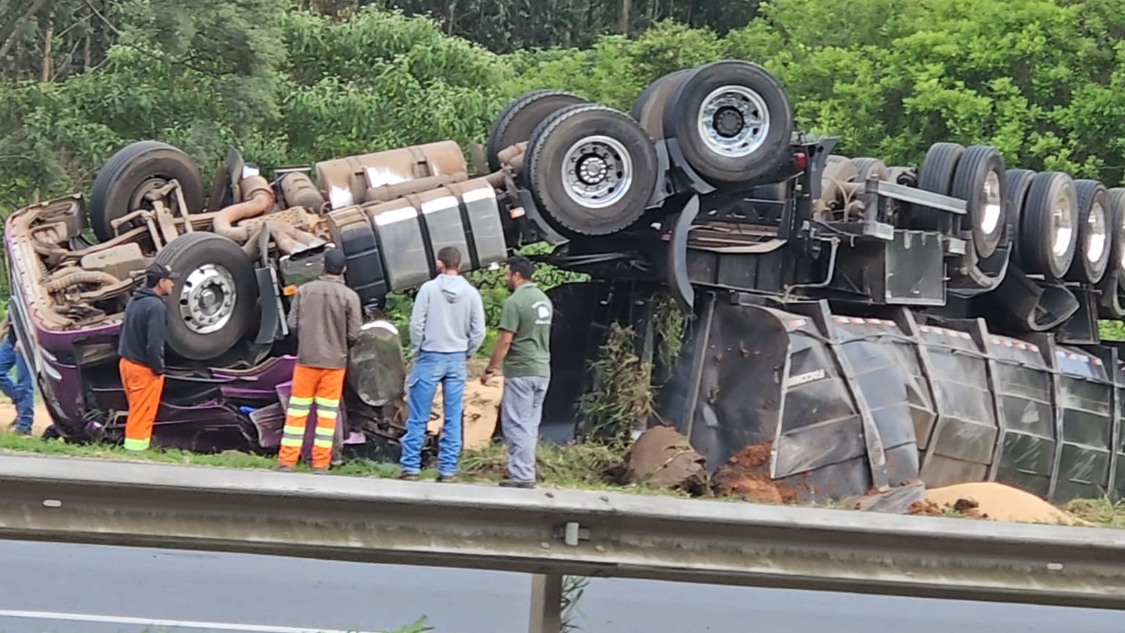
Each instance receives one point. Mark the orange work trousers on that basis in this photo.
(324, 388)
(142, 389)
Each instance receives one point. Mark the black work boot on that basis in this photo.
(508, 482)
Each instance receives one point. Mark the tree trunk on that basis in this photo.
(626, 11)
(45, 77)
(89, 17)
(19, 25)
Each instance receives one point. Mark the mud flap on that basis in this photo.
(273, 325)
(1029, 305)
(679, 284)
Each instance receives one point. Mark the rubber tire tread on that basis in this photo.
(968, 180)
(201, 248)
(1115, 200)
(1018, 182)
(516, 122)
(648, 109)
(1035, 222)
(680, 116)
(117, 164)
(1081, 270)
(936, 176)
(561, 209)
(865, 166)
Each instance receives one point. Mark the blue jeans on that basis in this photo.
(22, 392)
(431, 368)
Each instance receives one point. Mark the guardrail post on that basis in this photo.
(546, 603)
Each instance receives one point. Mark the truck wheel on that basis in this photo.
(592, 169)
(980, 180)
(733, 121)
(212, 305)
(870, 168)
(133, 171)
(1048, 227)
(521, 116)
(936, 176)
(1095, 241)
(648, 109)
(1115, 202)
(1018, 182)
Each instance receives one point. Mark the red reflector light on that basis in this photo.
(801, 160)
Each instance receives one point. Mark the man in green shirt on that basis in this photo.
(524, 346)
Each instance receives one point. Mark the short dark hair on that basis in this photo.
(450, 256)
(521, 266)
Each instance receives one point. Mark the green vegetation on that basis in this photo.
(1101, 512)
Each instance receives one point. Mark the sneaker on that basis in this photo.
(282, 468)
(405, 476)
(20, 431)
(320, 471)
(446, 479)
(512, 483)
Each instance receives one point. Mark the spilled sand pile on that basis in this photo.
(993, 501)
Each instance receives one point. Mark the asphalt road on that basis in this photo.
(60, 588)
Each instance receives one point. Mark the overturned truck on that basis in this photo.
(865, 326)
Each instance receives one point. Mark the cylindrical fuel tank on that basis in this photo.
(413, 229)
(298, 190)
(345, 181)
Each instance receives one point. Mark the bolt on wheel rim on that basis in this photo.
(207, 299)
(1062, 226)
(733, 121)
(597, 171)
(1096, 234)
(992, 210)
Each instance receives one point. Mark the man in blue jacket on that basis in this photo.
(141, 348)
(446, 329)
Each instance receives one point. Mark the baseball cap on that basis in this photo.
(334, 261)
(160, 271)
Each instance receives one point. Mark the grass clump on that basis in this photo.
(1101, 512)
(621, 398)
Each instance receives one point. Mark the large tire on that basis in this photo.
(521, 116)
(604, 153)
(981, 181)
(1042, 249)
(1018, 182)
(139, 167)
(732, 119)
(870, 168)
(648, 109)
(1115, 197)
(936, 176)
(1095, 239)
(213, 303)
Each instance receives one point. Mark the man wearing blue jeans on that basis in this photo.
(22, 392)
(446, 329)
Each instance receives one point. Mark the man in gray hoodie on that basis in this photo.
(446, 329)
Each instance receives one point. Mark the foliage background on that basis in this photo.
(295, 81)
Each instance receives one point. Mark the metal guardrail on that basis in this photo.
(551, 533)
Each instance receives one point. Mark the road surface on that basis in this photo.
(59, 588)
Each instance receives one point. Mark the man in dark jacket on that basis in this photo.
(141, 348)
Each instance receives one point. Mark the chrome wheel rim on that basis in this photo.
(597, 172)
(207, 299)
(733, 121)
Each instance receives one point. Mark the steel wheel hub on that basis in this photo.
(733, 121)
(207, 299)
(597, 171)
(1062, 227)
(992, 210)
(1096, 234)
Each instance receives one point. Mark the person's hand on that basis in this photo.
(486, 375)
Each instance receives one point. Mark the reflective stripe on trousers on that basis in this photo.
(142, 390)
(311, 386)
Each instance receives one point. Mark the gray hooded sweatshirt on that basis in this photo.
(448, 317)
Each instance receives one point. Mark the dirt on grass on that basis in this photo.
(480, 403)
(992, 501)
(747, 475)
